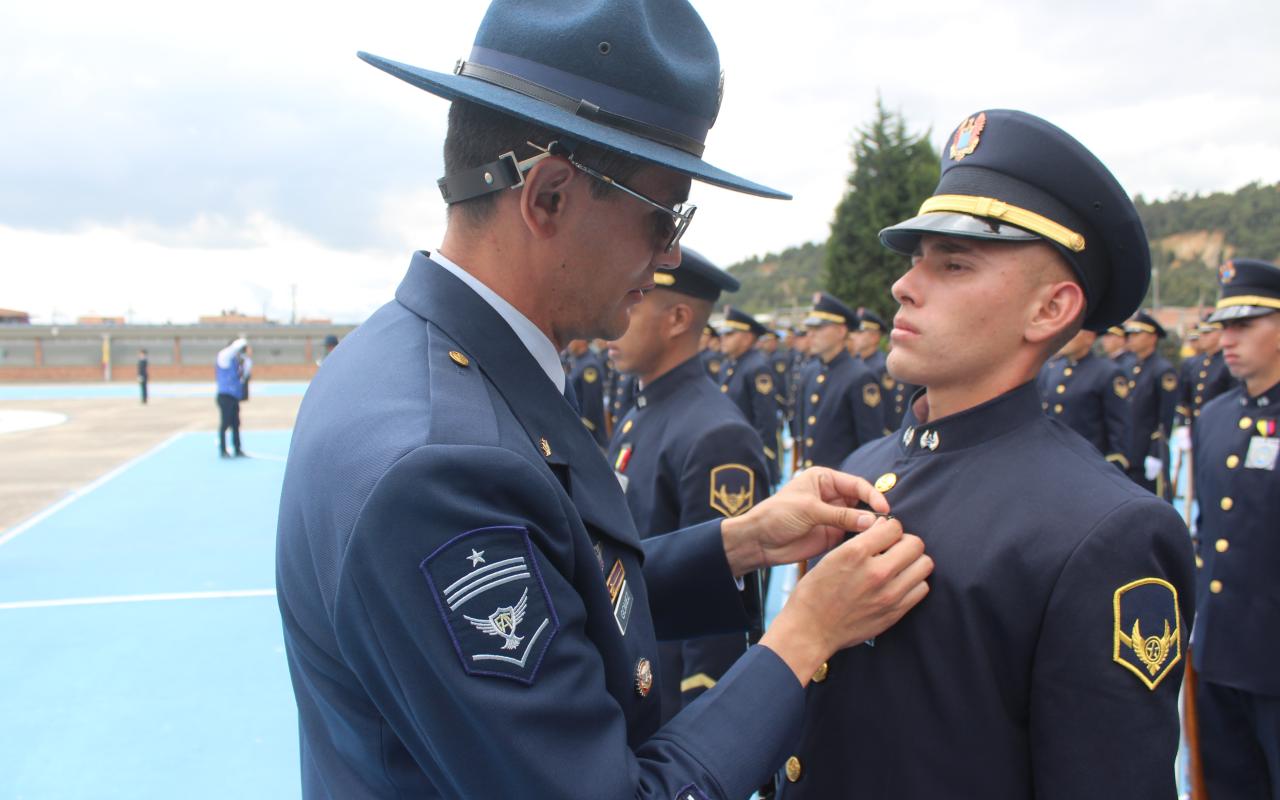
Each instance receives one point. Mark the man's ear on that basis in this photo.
(1058, 305)
(681, 320)
(543, 198)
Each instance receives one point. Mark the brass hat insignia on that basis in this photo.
(967, 137)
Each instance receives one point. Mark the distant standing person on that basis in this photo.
(142, 373)
(230, 391)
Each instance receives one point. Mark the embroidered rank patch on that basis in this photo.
(493, 601)
(1148, 630)
(1121, 387)
(764, 384)
(1169, 382)
(871, 395)
(781, 366)
(590, 375)
(733, 489)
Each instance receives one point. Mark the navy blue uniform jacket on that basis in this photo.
(841, 409)
(1091, 397)
(414, 482)
(1153, 399)
(1237, 594)
(1013, 678)
(750, 384)
(586, 373)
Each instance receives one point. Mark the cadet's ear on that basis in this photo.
(1057, 306)
(544, 196)
(681, 320)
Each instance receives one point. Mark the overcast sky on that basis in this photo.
(163, 160)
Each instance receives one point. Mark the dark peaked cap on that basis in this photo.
(696, 277)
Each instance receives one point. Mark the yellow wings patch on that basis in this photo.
(1151, 657)
(1121, 387)
(764, 384)
(871, 395)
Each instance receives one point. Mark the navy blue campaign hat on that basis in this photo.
(1143, 322)
(828, 310)
(1009, 176)
(641, 77)
(1250, 288)
(696, 277)
(869, 320)
(735, 320)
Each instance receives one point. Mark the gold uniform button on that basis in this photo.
(1137, 370)
(1061, 389)
(1244, 423)
(1057, 408)
(822, 379)
(1199, 562)
(793, 769)
(1215, 587)
(1233, 461)
(1199, 387)
(808, 462)
(808, 442)
(1221, 545)
(883, 484)
(814, 398)
(724, 388)
(1203, 374)
(821, 674)
(459, 358)
(1132, 384)
(1227, 503)
(1067, 371)
(812, 420)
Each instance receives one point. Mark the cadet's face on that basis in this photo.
(962, 310)
(615, 250)
(1210, 341)
(1141, 343)
(1251, 347)
(735, 343)
(826, 340)
(637, 350)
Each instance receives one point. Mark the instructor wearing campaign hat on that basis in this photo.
(468, 608)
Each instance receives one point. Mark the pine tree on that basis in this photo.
(893, 172)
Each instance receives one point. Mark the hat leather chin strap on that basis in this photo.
(580, 107)
(492, 177)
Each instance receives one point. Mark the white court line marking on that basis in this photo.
(266, 456)
(23, 527)
(136, 598)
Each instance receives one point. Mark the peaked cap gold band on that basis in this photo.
(1249, 300)
(998, 209)
(829, 317)
(735, 325)
(664, 279)
(1139, 327)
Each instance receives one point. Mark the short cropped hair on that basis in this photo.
(478, 134)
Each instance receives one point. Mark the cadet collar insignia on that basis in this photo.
(967, 137)
(545, 447)
(590, 375)
(1147, 634)
(929, 440)
(1226, 273)
(1169, 382)
(733, 489)
(764, 384)
(493, 601)
(871, 395)
(1121, 387)
(886, 482)
(908, 436)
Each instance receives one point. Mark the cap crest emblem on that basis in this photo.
(967, 136)
(1226, 272)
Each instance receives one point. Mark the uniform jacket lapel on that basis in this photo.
(434, 294)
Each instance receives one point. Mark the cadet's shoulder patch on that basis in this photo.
(1147, 635)
(494, 602)
(1169, 381)
(871, 394)
(1121, 386)
(590, 375)
(764, 383)
(733, 489)
(888, 382)
(714, 366)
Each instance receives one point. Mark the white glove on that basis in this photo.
(1152, 466)
(1180, 439)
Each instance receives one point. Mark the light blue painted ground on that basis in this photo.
(78, 391)
(175, 698)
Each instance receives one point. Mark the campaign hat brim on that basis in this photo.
(456, 87)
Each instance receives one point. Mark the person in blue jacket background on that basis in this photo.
(468, 609)
(231, 390)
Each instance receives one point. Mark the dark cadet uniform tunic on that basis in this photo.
(749, 383)
(841, 410)
(1236, 645)
(468, 610)
(685, 454)
(1017, 676)
(587, 374)
(1153, 395)
(1200, 379)
(1090, 396)
(711, 362)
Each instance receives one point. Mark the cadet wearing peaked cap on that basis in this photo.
(467, 608)
(1089, 394)
(1153, 399)
(587, 377)
(1047, 660)
(1113, 347)
(710, 353)
(748, 380)
(1235, 444)
(871, 330)
(1202, 377)
(684, 453)
(841, 399)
